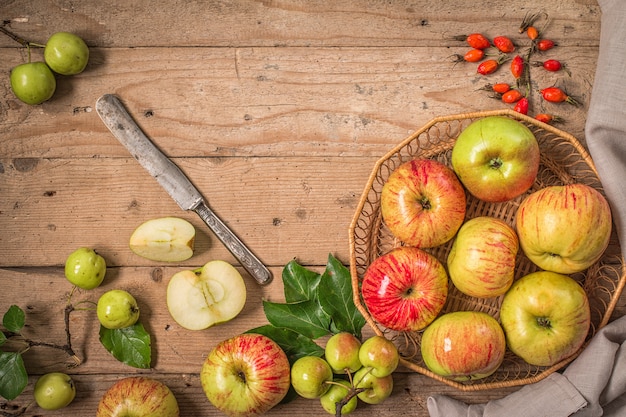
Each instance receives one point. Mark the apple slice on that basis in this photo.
(167, 239)
(214, 295)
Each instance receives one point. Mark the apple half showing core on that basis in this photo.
(166, 239)
(405, 289)
(213, 295)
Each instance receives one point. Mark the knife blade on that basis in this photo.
(121, 124)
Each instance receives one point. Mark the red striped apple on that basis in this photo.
(463, 345)
(481, 262)
(246, 375)
(545, 317)
(405, 289)
(564, 229)
(423, 203)
(138, 396)
(496, 158)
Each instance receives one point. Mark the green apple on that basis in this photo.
(85, 268)
(54, 391)
(245, 375)
(463, 345)
(310, 376)
(338, 391)
(66, 53)
(481, 262)
(375, 389)
(166, 239)
(380, 354)
(214, 295)
(138, 396)
(564, 229)
(342, 353)
(33, 82)
(117, 309)
(546, 317)
(496, 158)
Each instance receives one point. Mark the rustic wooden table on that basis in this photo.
(277, 110)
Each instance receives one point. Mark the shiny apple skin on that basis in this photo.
(538, 297)
(564, 229)
(405, 289)
(501, 139)
(423, 203)
(481, 262)
(138, 396)
(246, 375)
(463, 345)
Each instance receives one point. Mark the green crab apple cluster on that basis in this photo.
(35, 82)
(544, 316)
(348, 372)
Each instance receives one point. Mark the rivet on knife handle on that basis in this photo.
(173, 180)
(234, 245)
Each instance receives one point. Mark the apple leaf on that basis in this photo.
(13, 319)
(13, 376)
(294, 344)
(300, 284)
(3, 338)
(335, 298)
(130, 345)
(304, 317)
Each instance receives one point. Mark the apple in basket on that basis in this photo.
(463, 345)
(405, 289)
(546, 317)
(423, 203)
(496, 158)
(481, 262)
(564, 229)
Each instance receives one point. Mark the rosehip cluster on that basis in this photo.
(34, 81)
(516, 93)
(348, 372)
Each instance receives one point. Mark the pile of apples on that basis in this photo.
(544, 316)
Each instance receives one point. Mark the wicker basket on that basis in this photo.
(563, 160)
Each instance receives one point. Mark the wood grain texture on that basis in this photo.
(276, 109)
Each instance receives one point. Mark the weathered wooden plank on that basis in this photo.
(271, 101)
(117, 23)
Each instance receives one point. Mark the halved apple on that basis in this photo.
(167, 239)
(213, 295)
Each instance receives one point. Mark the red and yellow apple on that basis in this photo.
(246, 375)
(481, 262)
(138, 396)
(463, 345)
(564, 229)
(496, 158)
(546, 317)
(405, 289)
(423, 203)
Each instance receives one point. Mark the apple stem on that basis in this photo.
(13, 36)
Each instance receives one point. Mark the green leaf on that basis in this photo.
(306, 317)
(13, 319)
(3, 338)
(300, 284)
(13, 376)
(130, 345)
(294, 344)
(336, 299)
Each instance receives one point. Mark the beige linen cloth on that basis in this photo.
(594, 384)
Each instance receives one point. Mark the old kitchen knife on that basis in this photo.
(173, 180)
